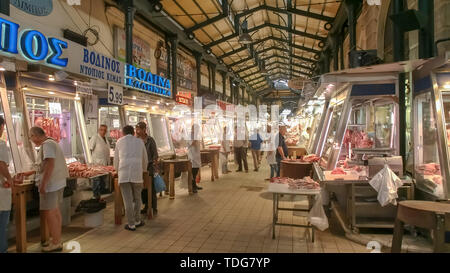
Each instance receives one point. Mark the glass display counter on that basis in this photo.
(58, 116)
(432, 129)
(161, 133)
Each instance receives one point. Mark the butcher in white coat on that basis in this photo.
(99, 146)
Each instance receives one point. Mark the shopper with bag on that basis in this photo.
(53, 172)
(130, 161)
(152, 153)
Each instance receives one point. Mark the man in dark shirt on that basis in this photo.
(152, 152)
(282, 149)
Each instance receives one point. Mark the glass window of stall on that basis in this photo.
(330, 142)
(57, 116)
(161, 134)
(427, 165)
(6, 138)
(110, 116)
(17, 117)
(133, 117)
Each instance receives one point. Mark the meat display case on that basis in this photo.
(157, 127)
(431, 91)
(161, 133)
(360, 134)
(312, 114)
(61, 117)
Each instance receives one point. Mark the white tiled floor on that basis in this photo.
(223, 217)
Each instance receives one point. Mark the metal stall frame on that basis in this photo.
(431, 70)
(9, 125)
(76, 100)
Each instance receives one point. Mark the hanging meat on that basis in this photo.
(358, 139)
(50, 126)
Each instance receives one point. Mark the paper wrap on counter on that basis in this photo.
(386, 183)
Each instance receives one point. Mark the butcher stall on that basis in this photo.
(359, 146)
(431, 93)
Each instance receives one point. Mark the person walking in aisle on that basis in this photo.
(130, 161)
(53, 172)
(194, 155)
(5, 191)
(240, 152)
(99, 146)
(282, 149)
(152, 153)
(271, 160)
(225, 149)
(255, 146)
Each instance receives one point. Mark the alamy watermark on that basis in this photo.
(235, 123)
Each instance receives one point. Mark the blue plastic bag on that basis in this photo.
(158, 183)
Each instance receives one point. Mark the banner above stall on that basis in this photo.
(21, 41)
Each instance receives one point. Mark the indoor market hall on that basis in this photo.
(224, 132)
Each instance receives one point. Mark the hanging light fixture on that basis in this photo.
(245, 38)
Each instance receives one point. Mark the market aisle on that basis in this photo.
(232, 214)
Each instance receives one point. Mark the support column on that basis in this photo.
(341, 50)
(335, 48)
(173, 52)
(129, 18)
(243, 95)
(231, 89)
(399, 55)
(213, 77)
(350, 6)
(426, 34)
(4, 7)
(224, 84)
(198, 65)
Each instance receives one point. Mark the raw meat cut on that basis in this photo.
(78, 169)
(297, 184)
(311, 158)
(50, 126)
(429, 169)
(338, 171)
(357, 139)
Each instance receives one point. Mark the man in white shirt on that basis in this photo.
(99, 146)
(5, 191)
(53, 172)
(130, 161)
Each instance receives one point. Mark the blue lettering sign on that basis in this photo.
(9, 39)
(33, 44)
(140, 79)
(34, 38)
(56, 47)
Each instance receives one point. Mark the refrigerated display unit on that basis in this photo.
(360, 134)
(157, 127)
(431, 108)
(312, 113)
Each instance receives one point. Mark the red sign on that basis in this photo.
(183, 100)
(223, 105)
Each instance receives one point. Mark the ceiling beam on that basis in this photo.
(241, 61)
(224, 14)
(294, 64)
(287, 51)
(286, 58)
(284, 98)
(296, 32)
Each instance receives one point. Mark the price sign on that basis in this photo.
(55, 108)
(115, 94)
